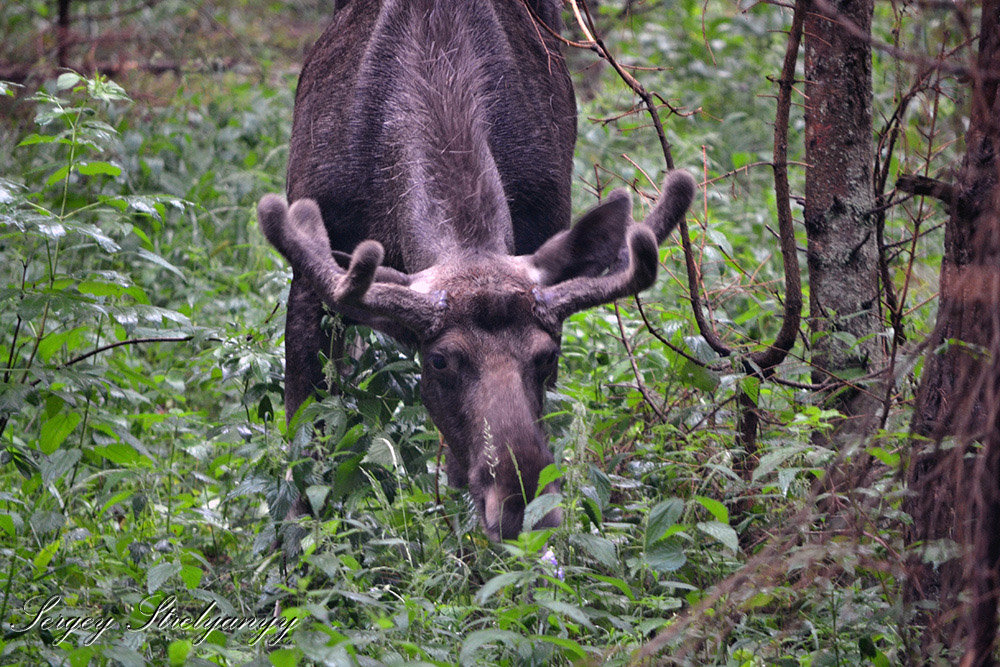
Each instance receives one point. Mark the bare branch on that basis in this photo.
(926, 187)
(635, 369)
(767, 359)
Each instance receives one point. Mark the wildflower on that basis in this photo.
(549, 558)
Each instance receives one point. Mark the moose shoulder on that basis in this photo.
(430, 175)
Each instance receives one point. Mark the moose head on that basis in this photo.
(487, 326)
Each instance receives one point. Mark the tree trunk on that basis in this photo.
(965, 313)
(62, 35)
(842, 250)
(956, 495)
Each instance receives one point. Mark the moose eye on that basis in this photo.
(438, 361)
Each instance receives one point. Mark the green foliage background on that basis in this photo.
(144, 450)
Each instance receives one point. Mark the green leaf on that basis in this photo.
(56, 430)
(591, 509)
(7, 524)
(158, 575)
(890, 459)
(51, 344)
(95, 168)
(7, 193)
(496, 583)
(750, 386)
(145, 205)
(570, 611)
(602, 485)
(665, 555)
(82, 656)
(93, 232)
(58, 464)
(758, 600)
(717, 509)
(549, 474)
(617, 583)
(124, 656)
(721, 532)
(44, 557)
(699, 377)
(178, 651)
(539, 507)
(383, 452)
(480, 638)
(576, 652)
(118, 453)
(43, 521)
(775, 458)
(317, 494)
(700, 349)
(159, 261)
(285, 657)
(741, 159)
(58, 175)
(99, 288)
(67, 80)
(33, 139)
(115, 499)
(599, 548)
(105, 90)
(53, 229)
(191, 575)
(663, 515)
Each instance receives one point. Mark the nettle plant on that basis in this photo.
(77, 399)
(73, 274)
(126, 431)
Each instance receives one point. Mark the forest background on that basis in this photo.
(786, 452)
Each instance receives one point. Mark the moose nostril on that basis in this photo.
(504, 512)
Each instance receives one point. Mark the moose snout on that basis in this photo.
(506, 482)
(503, 515)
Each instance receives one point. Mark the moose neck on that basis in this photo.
(454, 197)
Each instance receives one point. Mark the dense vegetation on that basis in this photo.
(143, 445)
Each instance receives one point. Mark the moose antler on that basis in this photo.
(676, 195)
(636, 267)
(572, 296)
(299, 234)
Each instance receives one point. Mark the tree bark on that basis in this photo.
(957, 495)
(62, 55)
(842, 251)
(965, 312)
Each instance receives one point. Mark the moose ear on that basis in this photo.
(589, 247)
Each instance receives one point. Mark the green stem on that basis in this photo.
(170, 479)
(86, 410)
(6, 590)
(69, 164)
(38, 341)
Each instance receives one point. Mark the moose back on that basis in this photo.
(429, 176)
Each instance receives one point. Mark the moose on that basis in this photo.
(429, 180)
